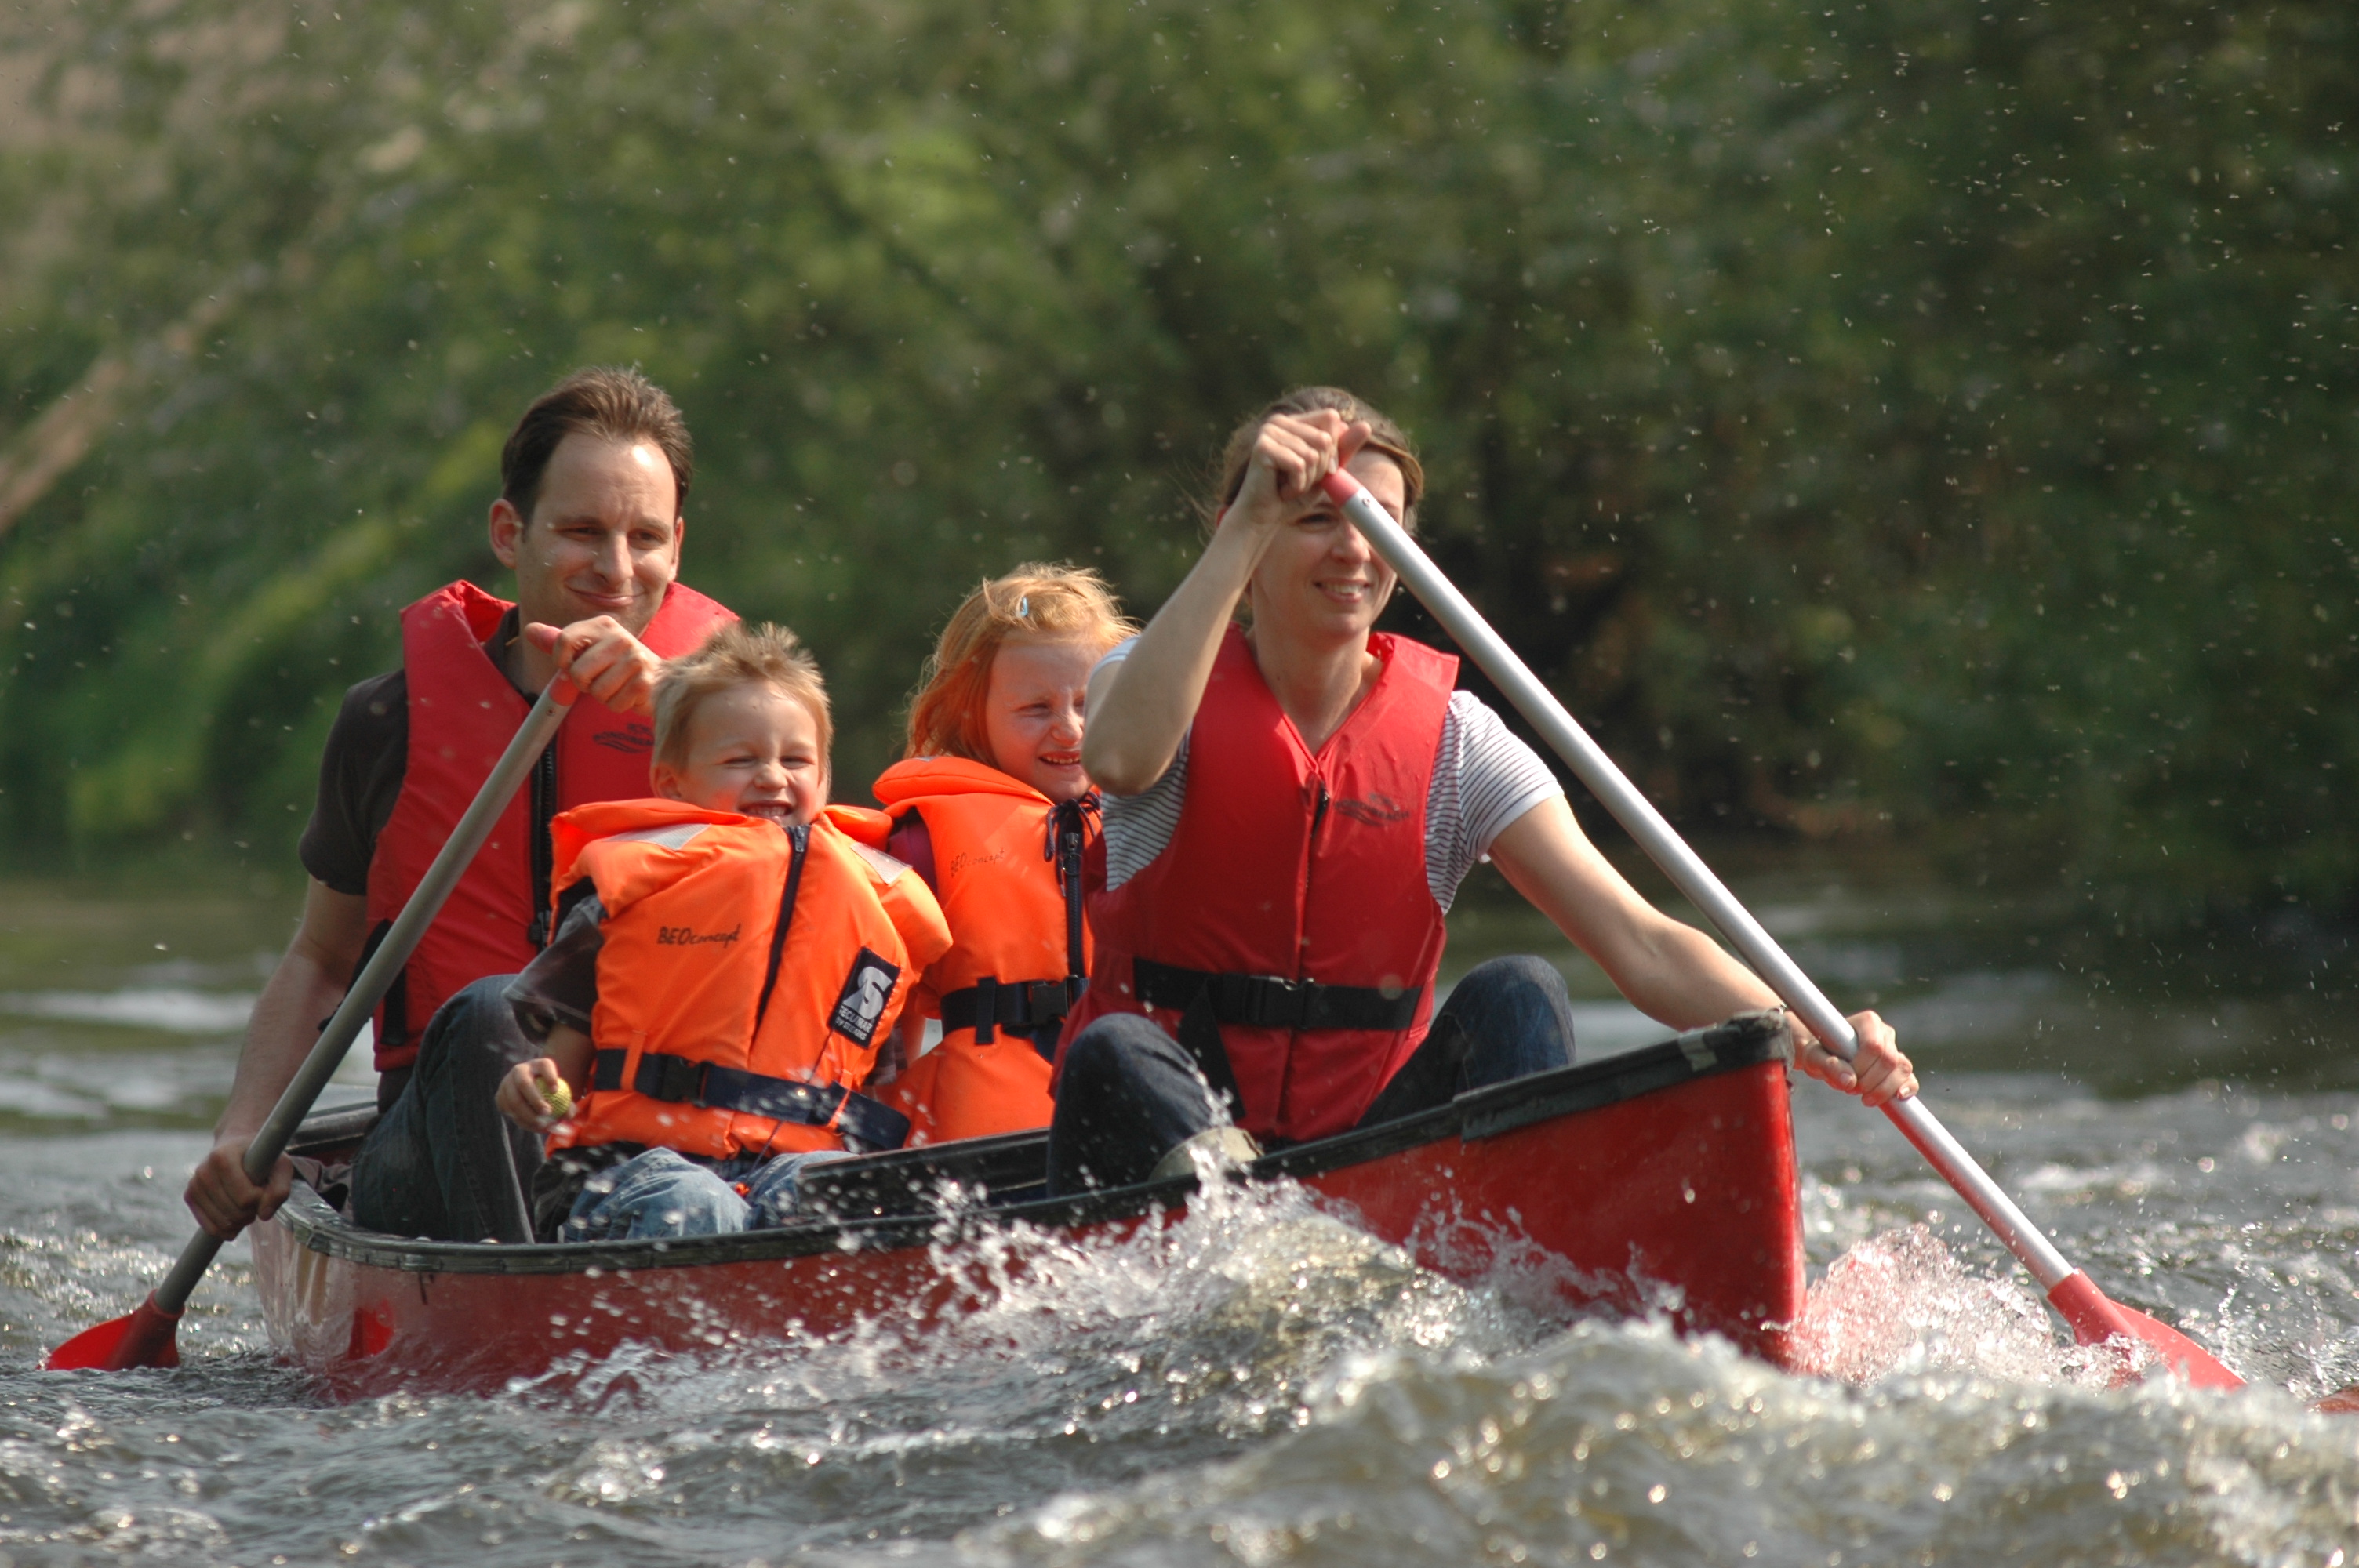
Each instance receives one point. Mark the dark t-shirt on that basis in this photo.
(360, 774)
(360, 778)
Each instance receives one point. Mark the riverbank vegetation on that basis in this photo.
(1918, 419)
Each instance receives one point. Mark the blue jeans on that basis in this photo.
(662, 1193)
(442, 1162)
(1129, 1093)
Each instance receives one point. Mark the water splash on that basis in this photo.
(1224, 1314)
(1900, 1304)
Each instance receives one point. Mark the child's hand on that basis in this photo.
(535, 1095)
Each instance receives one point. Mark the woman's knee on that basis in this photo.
(1517, 1018)
(1109, 1053)
(1519, 972)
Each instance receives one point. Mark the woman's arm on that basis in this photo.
(1669, 971)
(1139, 709)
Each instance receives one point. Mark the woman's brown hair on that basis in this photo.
(1035, 600)
(1387, 438)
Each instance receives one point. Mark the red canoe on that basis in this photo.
(1663, 1179)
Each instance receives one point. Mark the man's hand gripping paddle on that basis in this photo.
(2095, 1319)
(146, 1337)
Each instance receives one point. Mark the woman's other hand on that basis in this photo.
(1878, 1075)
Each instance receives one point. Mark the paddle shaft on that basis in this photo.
(376, 977)
(1686, 872)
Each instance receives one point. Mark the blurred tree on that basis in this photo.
(1916, 415)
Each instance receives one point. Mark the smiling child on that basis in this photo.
(727, 962)
(992, 807)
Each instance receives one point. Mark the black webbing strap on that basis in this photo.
(1068, 831)
(543, 855)
(1268, 1001)
(1028, 1006)
(393, 1010)
(1199, 1036)
(985, 1008)
(685, 1080)
(1022, 1004)
(799, 839)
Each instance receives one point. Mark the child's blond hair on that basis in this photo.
(733, 655)
(1035, 600)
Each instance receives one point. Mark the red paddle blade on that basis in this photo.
(2342, 1401)
(142, 1338)
(2095, 1319)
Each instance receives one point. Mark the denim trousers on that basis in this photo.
(1129, 1093)
(661, 1193)
(441, 1161)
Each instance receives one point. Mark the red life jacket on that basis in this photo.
(463, 714)
(996, 869)
(746, 977)
(1291, 904)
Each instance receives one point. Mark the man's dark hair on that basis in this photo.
(610, 404)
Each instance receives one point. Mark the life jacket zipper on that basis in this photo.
(1070, 833)
(1068, 842)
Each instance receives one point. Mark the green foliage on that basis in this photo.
(1871, 418)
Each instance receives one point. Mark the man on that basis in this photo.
(589, 517)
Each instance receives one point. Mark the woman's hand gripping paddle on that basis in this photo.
(146, 1337)
(2095, 1319)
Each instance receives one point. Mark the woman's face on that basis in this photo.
(1032, 712)
(1318, 577)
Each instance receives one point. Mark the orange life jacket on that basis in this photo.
(1006, 864)
(462, 713)
(748, 976)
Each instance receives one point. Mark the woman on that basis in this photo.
(1290, 805)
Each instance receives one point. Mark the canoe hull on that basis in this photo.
(1665, 1180)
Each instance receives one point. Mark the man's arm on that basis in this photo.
(310, 979)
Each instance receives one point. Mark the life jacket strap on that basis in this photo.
(393, 1010)
(1021, 1004)
(687, 1080)
(1271, 1001)
(1030, 1007)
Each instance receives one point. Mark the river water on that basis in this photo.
(1261, 1386)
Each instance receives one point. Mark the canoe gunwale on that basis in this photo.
(1745, 1041)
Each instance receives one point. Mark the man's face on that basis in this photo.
(604, 537)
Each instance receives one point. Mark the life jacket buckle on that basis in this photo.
(678, 1080)
(1268, 1001)
(1047, 1002)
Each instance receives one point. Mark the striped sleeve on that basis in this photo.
(1484, 779)
(1140, 826)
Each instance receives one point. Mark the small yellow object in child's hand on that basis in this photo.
(560, 1099)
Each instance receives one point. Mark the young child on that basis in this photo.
(991, 805)
(726, 964)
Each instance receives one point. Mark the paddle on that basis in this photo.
(2093, 1318)
(146, 1337)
